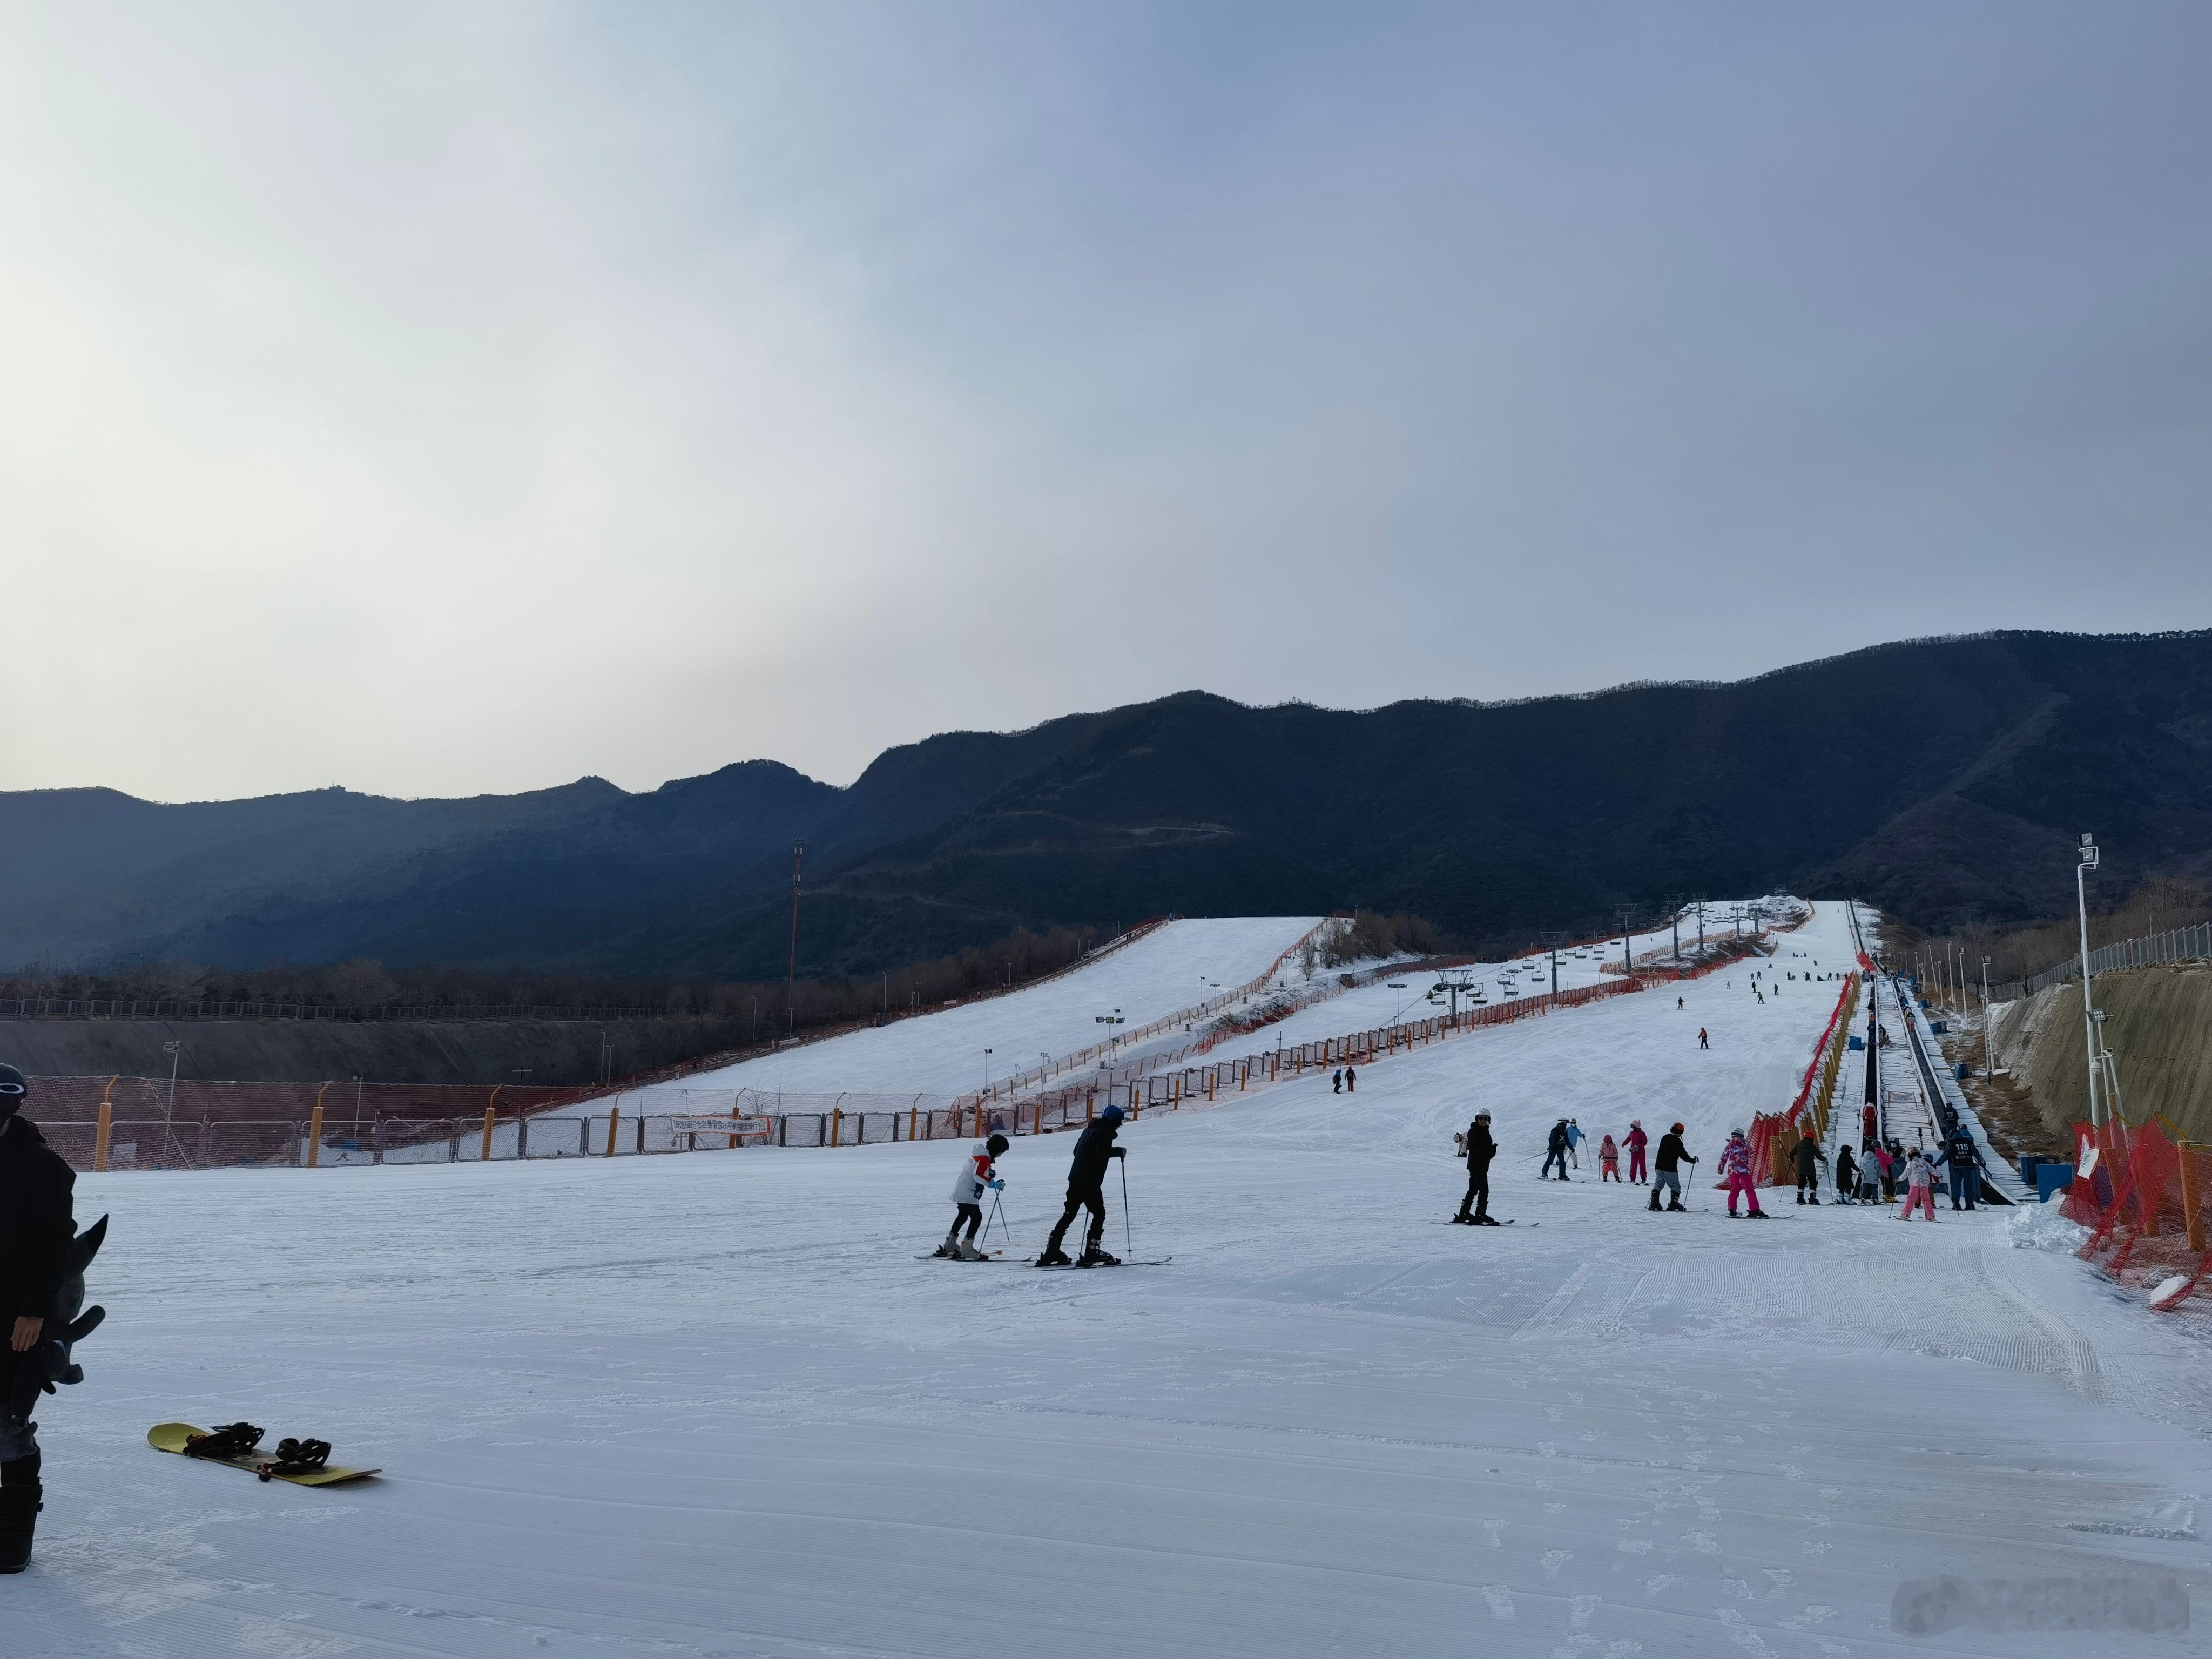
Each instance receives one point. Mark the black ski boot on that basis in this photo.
(1675, 1205)
(1054, 1258)
(1800, 1198)
(1814, 1200)
(1655, 1200)
(1097, 1259)
(18, 1515)
(1488, 1221)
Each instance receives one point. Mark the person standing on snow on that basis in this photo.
(1609, 1157)
(1808, 1157)
(1736, 1170)
(1638, 1140)
(1919, 1186)
(1704, 1041)
(976, 1178)
(1574, 1143)
(1351, 1081)
(1667, 1168)
(1964, 1160)
(1480, 1149)
(36, 1229)
(1336, 1081)
(1555, 1150)
(1847, 1176)
(1086, 1189)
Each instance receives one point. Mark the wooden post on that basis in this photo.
(106, 1124)
(613, 1120)
(314, 1133)
(1089, 1105)
(836, 1123)
(913, 1116)
(2192, 1207)
(1209, 1082)
(491, 1116)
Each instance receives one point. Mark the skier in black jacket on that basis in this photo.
(1667, 1168)
(1480, 1149)
(36, 1231)
(1555, 1150)
(1808, 1157)
(1964, 1160)
(1086, 1188)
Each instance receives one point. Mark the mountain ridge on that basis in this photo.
(1945, 777)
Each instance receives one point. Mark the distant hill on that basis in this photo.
(1944, 779)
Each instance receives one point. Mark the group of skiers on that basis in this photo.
(1086, 1190)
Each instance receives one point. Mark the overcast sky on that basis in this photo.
(463, 398)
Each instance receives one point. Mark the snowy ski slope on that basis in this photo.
(712, 1406)
(1176, 966)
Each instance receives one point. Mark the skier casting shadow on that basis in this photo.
(1480, 1149)
(1086, 1189)
(42, 1263)
(1667, 1170)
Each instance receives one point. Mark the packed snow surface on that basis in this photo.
(712, 1406)
(1176, 966)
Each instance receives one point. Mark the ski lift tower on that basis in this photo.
(1552, 938)
(1459, 982)
(1674, 918)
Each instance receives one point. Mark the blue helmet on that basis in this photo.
(1111, 1115)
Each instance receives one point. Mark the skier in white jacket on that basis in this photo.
(976, 1178)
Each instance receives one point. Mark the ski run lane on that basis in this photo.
(713, 1406)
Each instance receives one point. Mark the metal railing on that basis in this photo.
(2176, 944)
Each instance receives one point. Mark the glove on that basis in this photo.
(996, 1185)
(1118, 1151)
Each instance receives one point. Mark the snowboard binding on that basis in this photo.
(296, 1457)
(225, 1440)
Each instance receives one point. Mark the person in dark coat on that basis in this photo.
(36, 1231)
(1086, 1189)
(1555, 1150)
(1808, 1157)
(1667, 1168)
(1963, 1161)
(1480, 1149)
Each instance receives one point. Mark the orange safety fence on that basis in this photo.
(2141, 1190)
(1775, 1135)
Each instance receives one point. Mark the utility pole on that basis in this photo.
(1989, 1058)
(2088, 1016)
(791, 978)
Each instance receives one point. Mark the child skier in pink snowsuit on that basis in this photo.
(1609, 1157)
(1637, 1142)
(1919, 1186)
(1736, 1170)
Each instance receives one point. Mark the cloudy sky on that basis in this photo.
(461, 398)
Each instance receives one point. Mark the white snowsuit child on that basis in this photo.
(976, 1178)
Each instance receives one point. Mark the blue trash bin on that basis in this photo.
(2052, 1178)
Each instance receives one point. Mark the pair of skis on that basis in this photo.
(1054, 1267)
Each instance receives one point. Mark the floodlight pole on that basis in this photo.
(1989, 1060)
(2088, 1018)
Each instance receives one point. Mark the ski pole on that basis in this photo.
(1005, 1232)
(1126, 1244)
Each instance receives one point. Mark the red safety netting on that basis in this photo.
(2141, 1191)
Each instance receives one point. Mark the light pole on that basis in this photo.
(1990, 1060)
(1627, 962)
(1397, 985)
(1674, 920)
(986, 1070)
(2088, 1017)
(1701, 924)
(175, 1052)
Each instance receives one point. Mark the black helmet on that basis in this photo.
(12, 1090)
(995, 1145)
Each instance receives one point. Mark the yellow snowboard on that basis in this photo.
(171, 1437)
